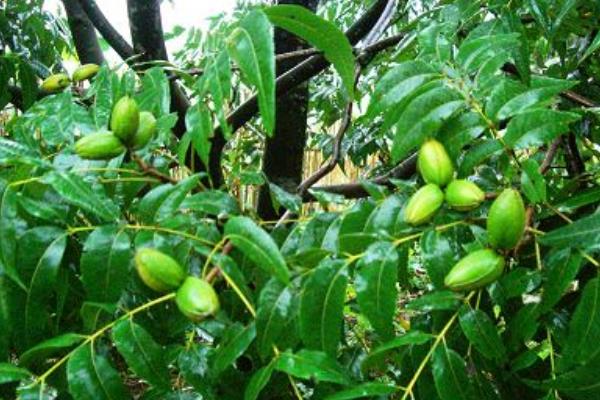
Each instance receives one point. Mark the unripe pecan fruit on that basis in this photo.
(55, 83)
(99, 146)
(196, 299)
(475, 270)
(506, 220)
(145, 131)
(423, 205)
(84, 72)
(464, 195)
(158, 271)
(125, 119)
(434, 163)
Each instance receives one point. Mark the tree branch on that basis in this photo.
(108, 32)
(83, 33)
(302, 72)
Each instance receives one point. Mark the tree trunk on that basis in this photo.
(84, 34)
(284, 152)
(145, 24)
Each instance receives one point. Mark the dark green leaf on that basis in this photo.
(258, 381)
(582, 233)
(251, 46)
(560, 268)
(274, 309)
(482, 333)
(49, 347)
(258, 246)
(308, 364)
(212, 202)
(321, 34)
(105, 264)
(321, 306)
(532, 182)
(450, 375)
(536, 127)
(237, 344)
(375, 284)
(143, 355)
(438, 300)
(439, 256)
(363, 390)
(91, 376)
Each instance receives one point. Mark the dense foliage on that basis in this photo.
(350, 301)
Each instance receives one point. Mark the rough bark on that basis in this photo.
(84, 34)
(284, 152)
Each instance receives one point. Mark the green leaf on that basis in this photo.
(535, 127)
(155, 95)
(450, 375)
(219, 83)
(42, 351)
(274, 310)
(170, 205)
(105, 264)
(144, 356)
(322, 304)
(460, 130)
(595, 45)
(375, 284)
(258, 246)
(91, 376)
(77, 192)
(411, 338)
(584, 328)
(477, 155)
(482, 333)
(229, 351)
(439, 255)
(422, 118)
(200, 129)
(14, 153)
(532, 182)
(281, 197)
(251, 47)
(308, 364)
(518, 99)
(383, 219)
(212, 202)
(581, 233)
(41, 287)
(474, 53)
(435, 301)
(8, 232)
(363, 390)
(321, 34)
(194, 365)
(579, 384)
(560, 269)
(12, 373)
(398, 84)
(258, 381)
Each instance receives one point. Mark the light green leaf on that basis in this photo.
(474, 53)
(251, 47)
(212, 202)
(12, 373)
(258, 246)
(199, 129)
(532, 182)
(595, 45)
(42, 351)
(321, 34)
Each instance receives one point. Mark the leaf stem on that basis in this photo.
(440, 336)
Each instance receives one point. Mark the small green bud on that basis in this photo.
(434, 163)
(464, 195)
(475, 270)
(196, 299)
(423, 205)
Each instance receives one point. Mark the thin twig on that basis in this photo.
(151, 171)
(550, 154)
